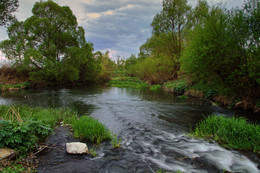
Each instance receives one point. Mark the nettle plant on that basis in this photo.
(22, 136)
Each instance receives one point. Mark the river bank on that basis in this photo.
(181, 87)
(24, 130)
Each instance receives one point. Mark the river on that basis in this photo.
(152, 126)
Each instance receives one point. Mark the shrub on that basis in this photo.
(90, 129)
(231, 132)
(22, 136)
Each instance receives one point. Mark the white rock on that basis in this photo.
(76, 148)
(6, 152)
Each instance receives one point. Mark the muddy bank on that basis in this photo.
(219, 100)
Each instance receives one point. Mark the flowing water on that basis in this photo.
(152, 126)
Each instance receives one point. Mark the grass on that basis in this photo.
(90, 129)
(116, 142)
(20, 86)
(127, 82)
(232, 132)
(156, 88)
(23, 127)
(49, 116)
(179, 86)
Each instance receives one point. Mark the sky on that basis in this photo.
(119, 26)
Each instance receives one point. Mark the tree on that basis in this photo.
(169, 25)
(223, 51)
(7, 7)
(51, 44)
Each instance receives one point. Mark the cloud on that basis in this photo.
(120, 26)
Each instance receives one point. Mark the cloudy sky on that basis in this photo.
(119, 26)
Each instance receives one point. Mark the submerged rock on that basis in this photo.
(77, 148)
(6, 153)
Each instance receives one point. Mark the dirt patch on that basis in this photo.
(223, 100)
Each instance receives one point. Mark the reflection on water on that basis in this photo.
(151, 126)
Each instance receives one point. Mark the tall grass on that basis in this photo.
(90, 129)
(232, 132)
(49, 116)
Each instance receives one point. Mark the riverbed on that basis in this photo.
(151, 125)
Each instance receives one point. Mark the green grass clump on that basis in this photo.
(128, 82)
(232, 132)
(116, 142)
(49, 116)
(155, 87)
(179, 86)
(90, 129)
(183, 97)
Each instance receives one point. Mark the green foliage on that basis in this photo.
(23, 127)
(156, 88)
(115, 142)
(22, 136)
(154, 69)
(231, 132)
(26, 85)
(7, 7)
(183, 97)
(176, 83)
(51, 46)
(93, 152)
(128, 83)
(223, 50)
(90, 129)
(210, 93)
(180, 90)
(48, 116)
(17, 168)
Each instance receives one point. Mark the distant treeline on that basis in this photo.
(210, 46)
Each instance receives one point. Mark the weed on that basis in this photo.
(93, 152)
(230, 132)
(90, 129)
(22, 136)
(22, 127)
(116, 142)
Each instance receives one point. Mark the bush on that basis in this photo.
(22, 136)
(90, 129)
(231, 132)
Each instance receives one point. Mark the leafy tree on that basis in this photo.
(169, 25)
(224, 51)
(52, 45)
(7, 7)
(107, 65)
(15, 47)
